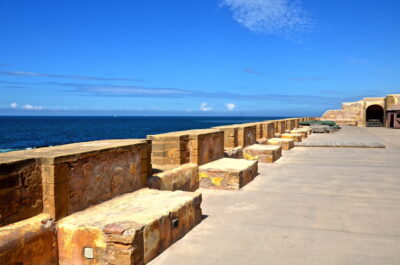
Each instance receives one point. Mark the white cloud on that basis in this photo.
(13, 105)
(30, 107)
(230, 106)
(270, 16)
(354, 60)
(205, 107)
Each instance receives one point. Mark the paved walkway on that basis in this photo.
(313, 206)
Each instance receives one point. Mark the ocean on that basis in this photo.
(17, 132)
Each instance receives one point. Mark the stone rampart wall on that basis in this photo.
(40, 186)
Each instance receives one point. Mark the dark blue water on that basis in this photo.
(32, 132)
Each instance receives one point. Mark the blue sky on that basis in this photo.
(195, 57)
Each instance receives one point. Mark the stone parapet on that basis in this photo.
(90, 200)
(20, 188)
(193, 146)
(239, 134)
(269, 129)
(68, 178)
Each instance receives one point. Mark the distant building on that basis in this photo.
(368, 112)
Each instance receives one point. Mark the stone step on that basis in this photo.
(263, 153)
(286, 144)
(227, 173)
(295, 136)
(130, 229)
(236, 152)
(31, 241)
(185, 177)
(304, 132)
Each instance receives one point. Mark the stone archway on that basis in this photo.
(374, 116)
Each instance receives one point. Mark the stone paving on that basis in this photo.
(313, 206)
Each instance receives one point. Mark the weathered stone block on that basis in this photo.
(131, 229)
(279, 126)
(295, 136)
(206, 145)
(304, 132)
(29, 242)
(20, 188)
(269, 129)
(236, 152)
(286, 144)
(262, 153)
(262, 141)
(192, 146)
(244, 134)
(85, 174)
(227, 173)
(185, 177)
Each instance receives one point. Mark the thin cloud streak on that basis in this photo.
(106, 90)
(252, 71)
(307, 79)
(135, 91)
(74, 77)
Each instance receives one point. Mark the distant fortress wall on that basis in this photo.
(377, 111)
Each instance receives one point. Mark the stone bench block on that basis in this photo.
(262, 141)
(263, 153)
(29, 242)
(227, 173)
(304, 133)
(130, 229)
(185, 177)
(286, 144)
(236, 152)
(295, 136)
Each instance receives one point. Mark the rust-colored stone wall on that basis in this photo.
(289, 124)
(170, 149)
(239, 134)
(75, 182)
(269, 129)
(247, 135)
(20, 189)
(259, 129)
(280, 126)
(194, 146)
(231, 138)
(206, 146)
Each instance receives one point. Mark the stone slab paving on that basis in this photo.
(340, 144)
(313, 206)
